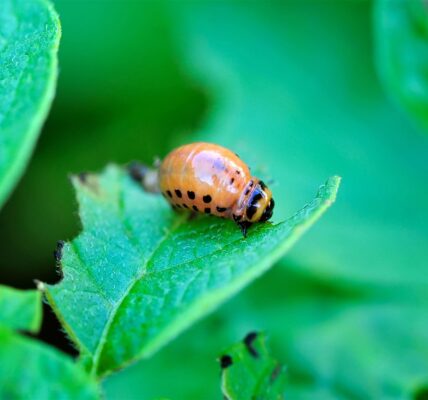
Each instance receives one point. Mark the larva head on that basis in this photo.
(259, 204)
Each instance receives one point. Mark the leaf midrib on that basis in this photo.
(116, 306)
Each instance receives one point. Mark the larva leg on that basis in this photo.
(244, 227)
(147, 177)
(192, 215)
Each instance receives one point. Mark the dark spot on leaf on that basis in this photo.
(58, 251)
(207, 210)
(191, 195)
(249, 344)
(168, 192)
(178, 193)
(195, 208)
(83, 176)
(221, 209)
(207, 199)
(225, 361)
(275, 373)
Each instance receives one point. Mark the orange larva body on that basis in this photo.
(211, 179)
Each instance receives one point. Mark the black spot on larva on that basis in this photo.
(168, 192)
(256, 198)
(221, 209)
(58, 251)
(185, 205)
(195, 208)
(232, 180)
(238, 171)
(178, 205)
(246, 192)
(251, 210)
(237, 155)
(207, 210)
(236, 217)
(163, 194)
(249, 344)
(225, 361)
(178, 193)
(207, 199)
(191, 195)
(251, 183)
(262, 185)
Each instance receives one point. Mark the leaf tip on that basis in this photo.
(330, 189)
(86, 180)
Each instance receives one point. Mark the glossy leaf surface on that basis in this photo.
(139, 274)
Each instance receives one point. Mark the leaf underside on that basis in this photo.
(32, 370)
(139, 273)
(29, 39)
(29, 368)
(20, 309)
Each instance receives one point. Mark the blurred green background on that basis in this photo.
(301, 90)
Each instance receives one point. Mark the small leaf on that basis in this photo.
(32, 370)
(20, 309)
(250, 372)
(29, 38)
(401, 33)
(139, 274)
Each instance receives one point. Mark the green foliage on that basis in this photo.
(29, 38)
(250, 372)
(20, 309)
(292, 88)
(143, 274)
(401, 33)
(31, 369)
(307, 107)
(308, 104)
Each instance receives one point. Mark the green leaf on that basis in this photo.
(29, 39)
(401, 33)
(143, 274)
(33, 370)
(331, 339)
(28, 368)
(20, 309)
(308, 105)
(250, 372)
